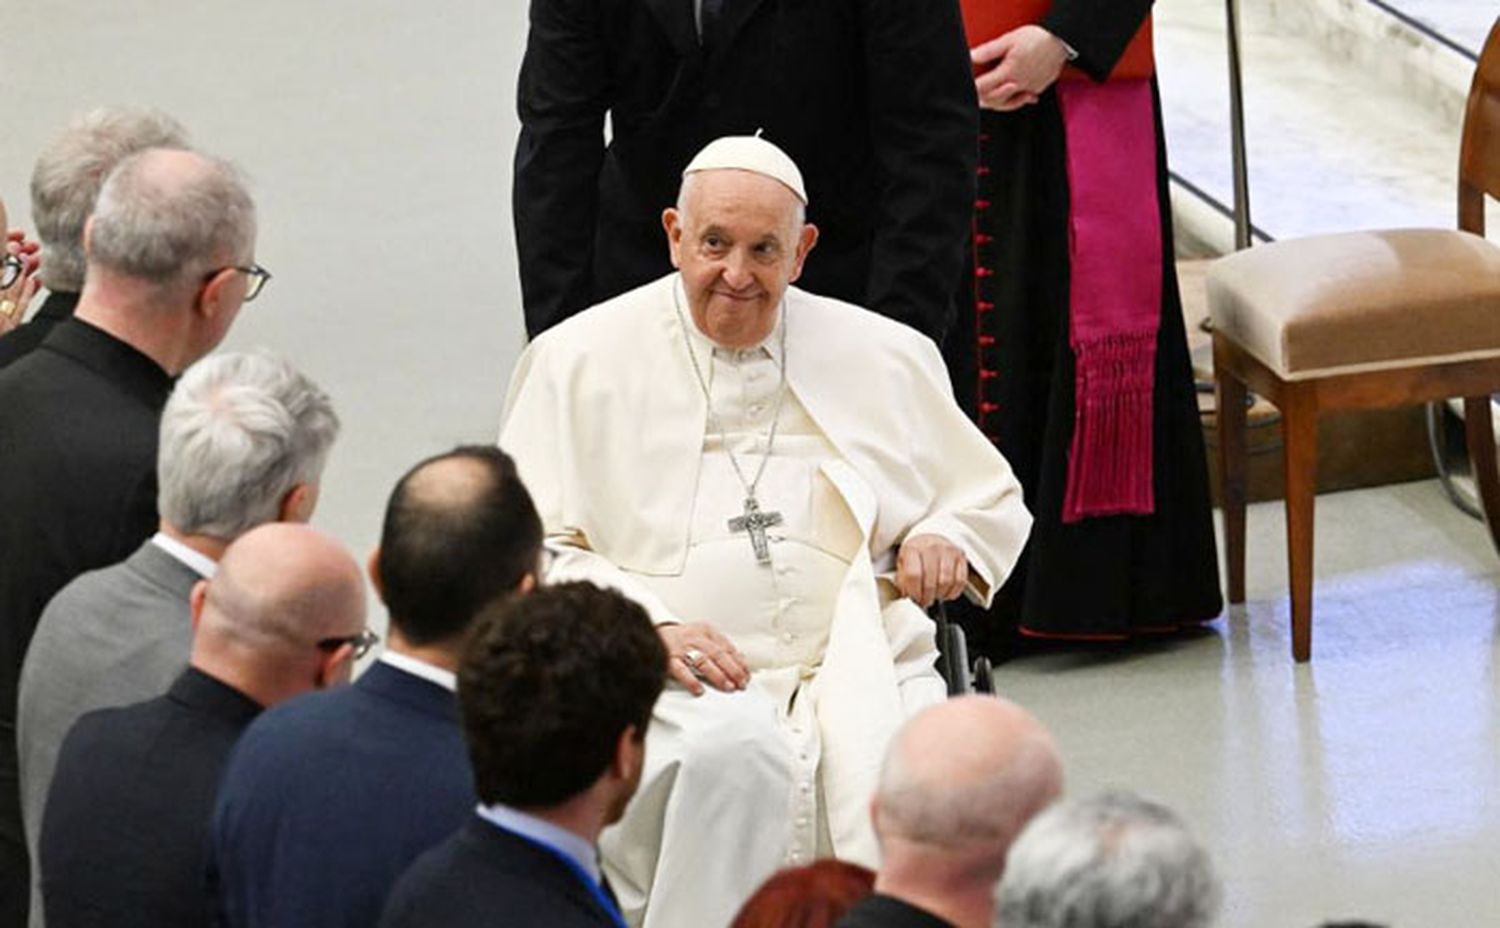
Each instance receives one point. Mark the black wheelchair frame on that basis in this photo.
(961, 675)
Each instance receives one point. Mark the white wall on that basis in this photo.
(379, 138)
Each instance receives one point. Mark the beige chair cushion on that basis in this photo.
(1360, 301)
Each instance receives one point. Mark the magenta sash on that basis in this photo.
(1115, 284)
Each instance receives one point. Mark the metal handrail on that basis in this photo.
(1242, 226)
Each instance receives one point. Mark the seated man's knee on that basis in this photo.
(738, 731)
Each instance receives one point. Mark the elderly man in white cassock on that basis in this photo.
(785, 482)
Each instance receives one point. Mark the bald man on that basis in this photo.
(125, 830)
(170, 253)
(959, 783)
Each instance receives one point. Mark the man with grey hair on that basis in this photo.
(1112, 861)
(125, 838)
(170, 260)
(960, 781)
(64, 185)
(244, 438)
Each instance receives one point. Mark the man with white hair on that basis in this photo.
(244, 439)
(170, 250)
(785, 482)
(64, 185)
(959, 783)
(1113, 861)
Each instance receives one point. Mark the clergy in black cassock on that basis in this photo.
(873, 99)
(1095, 575)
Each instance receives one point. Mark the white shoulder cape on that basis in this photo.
(606, 422)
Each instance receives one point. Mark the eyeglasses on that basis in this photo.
(12, 271)
(362, 642)
(257, 274)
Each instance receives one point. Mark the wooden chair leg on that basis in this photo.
(1479, 431)
(1230, 409)
(1299, 424)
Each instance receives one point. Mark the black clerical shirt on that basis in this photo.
(23, 340)
(78, 434)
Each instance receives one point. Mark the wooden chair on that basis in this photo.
(1365, 320)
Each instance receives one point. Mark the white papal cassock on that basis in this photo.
(607, 423)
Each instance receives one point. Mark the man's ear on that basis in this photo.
(373, 567)
(211, 296)
(298, 504)
(630, 755)
(334, 667)
(805, 242)
(671, 221)
(88, 236)
(196, 599)
(527, 584)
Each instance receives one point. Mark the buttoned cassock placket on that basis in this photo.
(778, 615)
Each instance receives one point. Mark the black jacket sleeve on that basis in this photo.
(924, 124)
(1098, 30)
(561, 101)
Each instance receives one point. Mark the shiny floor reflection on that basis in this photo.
(1364, 784)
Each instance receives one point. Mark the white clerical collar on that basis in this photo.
(770, 346)
(543, 832)
(432, 673)
(201, 564)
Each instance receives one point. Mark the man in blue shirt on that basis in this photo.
(556, 692)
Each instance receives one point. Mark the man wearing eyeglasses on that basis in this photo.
(170, 251)
(329, 798)
(18, 283)
(127, 820)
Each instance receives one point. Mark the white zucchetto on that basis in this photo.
(749, 153)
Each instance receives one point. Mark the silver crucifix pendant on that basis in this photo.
(756, 522)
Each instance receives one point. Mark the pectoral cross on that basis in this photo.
(756, 522)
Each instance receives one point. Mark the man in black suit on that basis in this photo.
(346, 788)
(64, 185)
(873, 99)
(169, 248)
(126, 823)
(959, 782)
(556, 691)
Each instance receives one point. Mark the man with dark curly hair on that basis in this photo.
(556, 691)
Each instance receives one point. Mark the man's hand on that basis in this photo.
(697, 654)
(929, 568)
(1030, 59)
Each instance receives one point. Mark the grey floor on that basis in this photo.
(379, 135)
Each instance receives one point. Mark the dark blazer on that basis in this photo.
(878, 911)
(22, 341)
(126, 825)
(874, 100)
(485, 875)
(78, 424)
(338, 789)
